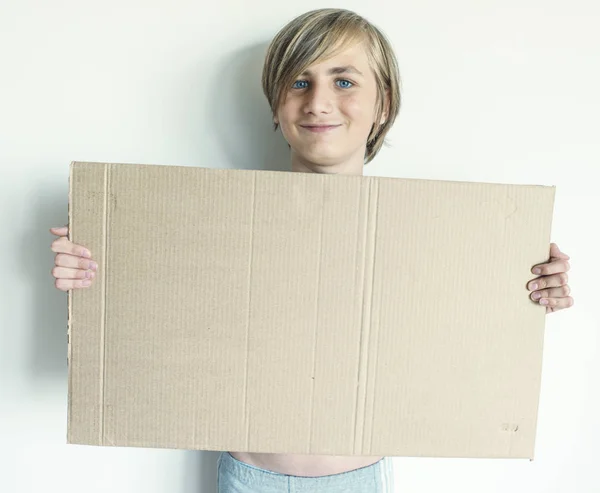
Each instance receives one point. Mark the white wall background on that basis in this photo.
(497, 91)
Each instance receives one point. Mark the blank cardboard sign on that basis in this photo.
(286, 312)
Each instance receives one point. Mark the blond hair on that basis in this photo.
(320, 34)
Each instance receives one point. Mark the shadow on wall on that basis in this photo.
(48, 355)
(246, 117)
(200, 473)
(240, 112)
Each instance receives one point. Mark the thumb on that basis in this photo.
(556, 253)
(61, 231)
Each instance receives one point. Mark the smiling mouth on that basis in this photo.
(319, 128)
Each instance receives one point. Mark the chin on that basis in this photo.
(322, 158)
(325, 161)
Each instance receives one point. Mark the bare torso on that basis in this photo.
(305, 465)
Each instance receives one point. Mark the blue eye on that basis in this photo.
(301, 81)
(345, 86)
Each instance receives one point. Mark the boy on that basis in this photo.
(332, 82)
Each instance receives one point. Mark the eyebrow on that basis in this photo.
(348, 69)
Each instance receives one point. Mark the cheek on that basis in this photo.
(285, 114)
(359, 109)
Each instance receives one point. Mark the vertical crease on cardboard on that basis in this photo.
(374, 325)
(367, 282)
(250, 262)
(105, 233)
(316, 324)
(360, 240)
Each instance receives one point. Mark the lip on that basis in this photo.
(319, 128)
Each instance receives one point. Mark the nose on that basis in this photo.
(318, 99)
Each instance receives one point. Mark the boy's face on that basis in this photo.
(341, 93)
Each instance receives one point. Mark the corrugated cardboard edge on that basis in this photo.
(544, 258)
(85, 416)
(69, 308)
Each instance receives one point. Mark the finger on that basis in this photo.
(555, 304)
(554, 267)
(63, 245)
(67, 273)
(66, 284)
(61, 231)
(556, 253)
(552, 281)
(74, 262)
(561, 292)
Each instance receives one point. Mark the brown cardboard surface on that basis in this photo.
(289, 312)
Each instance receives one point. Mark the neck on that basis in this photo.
(352, 166)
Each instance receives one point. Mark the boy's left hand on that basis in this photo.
(551, 288)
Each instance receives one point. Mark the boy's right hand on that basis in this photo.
(74, 267)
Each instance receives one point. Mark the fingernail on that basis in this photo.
(537, 270)
(86, 253)
(93, 266)
(536, 296)
(86, 283)
(543, 302)
(534, 286)
(88, 274)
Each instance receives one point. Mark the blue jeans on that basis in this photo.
(235, 476)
